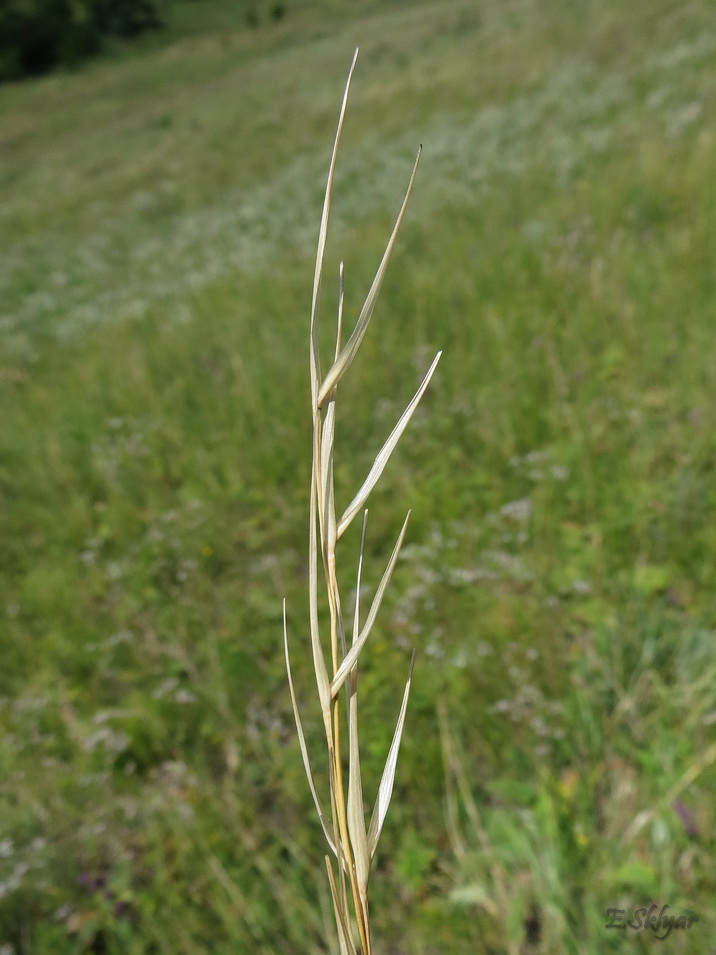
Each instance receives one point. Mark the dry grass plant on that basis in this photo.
(344, 823)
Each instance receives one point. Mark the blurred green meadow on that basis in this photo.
(159, 208)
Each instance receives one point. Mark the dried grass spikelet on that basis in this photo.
(344, 823)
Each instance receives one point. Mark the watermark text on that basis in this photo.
(654, 917)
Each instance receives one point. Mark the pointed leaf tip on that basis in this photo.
(344, 360)
(385, 790)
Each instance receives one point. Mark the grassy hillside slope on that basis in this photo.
(159, 213)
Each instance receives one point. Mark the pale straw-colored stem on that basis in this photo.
(351, 842)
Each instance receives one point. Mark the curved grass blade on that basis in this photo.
(325, 821)
(385, 452)
(344, 360)
(351, 657)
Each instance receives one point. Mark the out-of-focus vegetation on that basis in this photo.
(36, 35)
(158, 220)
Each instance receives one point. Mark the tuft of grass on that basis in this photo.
(344, 825)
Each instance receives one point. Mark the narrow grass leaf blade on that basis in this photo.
(328, 532)
(351, 657)
(345, 939)
(384, 456)
(327, 441)
(343, 362)
(325, 821)
(322, 233)
(356, 811)
(319, 663)
(385, 790)
(339, 332)
(359, 575)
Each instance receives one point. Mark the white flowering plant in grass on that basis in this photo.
(352, 843)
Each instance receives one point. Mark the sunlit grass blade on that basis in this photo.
(384, 455)
(351, 657)
(325, 821)
(343, 362)
(356, 811)
(327, 440)
(322, 233)
(341, 298)
(319, 663)
(385, 790)
(359, 577)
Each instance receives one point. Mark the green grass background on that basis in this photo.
(159, 210)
